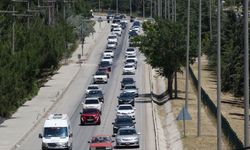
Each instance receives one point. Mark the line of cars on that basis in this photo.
(57, 132)
(105, 141)
(124, 129)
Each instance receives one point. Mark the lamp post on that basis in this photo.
(246, 76)
(218, 75)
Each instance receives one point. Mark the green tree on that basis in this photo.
(158, 45)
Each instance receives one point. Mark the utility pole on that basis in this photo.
(199, 76)
(159, 8)
(165, 9)
(175, 74)
(155, 6)
(151, 9)
(13, 29)
(218, 75)
(168, 9)
(116, 6)
(130, 7)
(143, 9)
(210, 20)
(246, 76)
(187, 57)
(99, 9)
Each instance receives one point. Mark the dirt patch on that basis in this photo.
(232, 107)
(208, 138)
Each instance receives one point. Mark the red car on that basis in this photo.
(101, 142)
(105, 70)
(90, 116)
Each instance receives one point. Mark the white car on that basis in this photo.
(107, 58)
(129, 69)
(113, 38)
(92, 87)
(131, 62)
(92, 103)
(108, 52)
(136, 29)
(125, 110)
(117, 31)
(132, 57)
(111, 45)
(100, 77)
(130, 52)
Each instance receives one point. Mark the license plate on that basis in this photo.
(89, 119)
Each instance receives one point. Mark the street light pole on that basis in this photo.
(143, 9)
(13, 29)
(99, 6)
(219, 75)
(246, 76)
(130, 7)
(199, 76)
(116, 6)
(151, 8)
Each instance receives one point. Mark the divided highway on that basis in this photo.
(71, 101)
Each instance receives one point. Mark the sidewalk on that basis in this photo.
(15, 129)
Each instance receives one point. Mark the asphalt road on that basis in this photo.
(71, 101)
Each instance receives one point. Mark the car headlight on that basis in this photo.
(118, 139)
(64, 144)
(108, 147)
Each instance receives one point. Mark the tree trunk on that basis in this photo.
(170, 88)
(175, 85)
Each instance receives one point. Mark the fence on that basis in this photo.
(226, 128)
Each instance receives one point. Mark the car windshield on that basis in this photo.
(89, 111)
(92, 101)
(92, 87)
(101, 139)
(125, 94)
(128, 80)
(130, 50)
(127, 132)
(130, 87)
(112, 37)
(111, 42)
(128, 66)
(124, 120)
(106, 57)
(104, 63)
(108, 51)
(55, 132)
(130, 60)
(100, 73)
(95, 92)
(125, 107)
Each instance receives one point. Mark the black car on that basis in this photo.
(126, 81)
(122, 121)
(132, 18)
(96, 93)
(105, 65)
(126, 98)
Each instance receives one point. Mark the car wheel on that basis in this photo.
(99, 122)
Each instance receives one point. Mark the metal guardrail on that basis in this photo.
(226, 128)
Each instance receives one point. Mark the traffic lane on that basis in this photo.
(84, 133)
(144, 121)
(72, 97)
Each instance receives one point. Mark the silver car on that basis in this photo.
(127, 137)
(131, 88)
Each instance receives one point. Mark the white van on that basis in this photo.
(56, 133)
